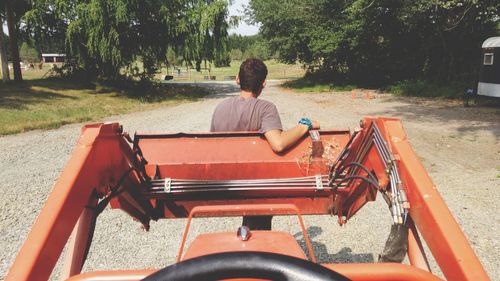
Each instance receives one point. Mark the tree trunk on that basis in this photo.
(3, 55)
(14, 49)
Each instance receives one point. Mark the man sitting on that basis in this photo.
(247, 112)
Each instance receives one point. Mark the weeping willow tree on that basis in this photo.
(106, 38)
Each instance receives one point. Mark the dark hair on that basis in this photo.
(252, 74)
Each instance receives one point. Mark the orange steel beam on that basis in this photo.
(432, 217)
(416, 253)
(246, 210)
(83, 231)
(97, 162)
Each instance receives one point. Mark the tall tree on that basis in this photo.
(3, 54)
(107, 37)
(14, 48)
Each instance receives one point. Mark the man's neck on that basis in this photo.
(247, 94)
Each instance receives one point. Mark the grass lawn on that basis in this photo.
(303, 85)
(453, 90)
(275, 69)
(50, 103)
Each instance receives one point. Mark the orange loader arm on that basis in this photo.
(101, 158)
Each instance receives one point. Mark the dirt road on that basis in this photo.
(460, 148)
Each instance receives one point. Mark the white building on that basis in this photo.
(51, 58)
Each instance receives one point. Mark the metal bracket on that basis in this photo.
(168, 184)
(319, 182)
(314, 135)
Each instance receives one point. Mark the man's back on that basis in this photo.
(248, 113)
(245, 114)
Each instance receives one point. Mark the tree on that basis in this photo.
(257, 50)
(236, 54)
(3, 54)
(377, 42)
(28, 54)
(105, 37)
(45, 24)
(14, 50)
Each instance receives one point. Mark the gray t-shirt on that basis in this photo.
(245, 114)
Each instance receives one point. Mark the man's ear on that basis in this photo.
(264, 84)
(237, 79)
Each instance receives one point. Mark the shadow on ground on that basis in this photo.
(345, 255)
(217, 89)
(39, 91)
(482, 117)
(20, 96)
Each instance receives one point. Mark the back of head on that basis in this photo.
(253, 73)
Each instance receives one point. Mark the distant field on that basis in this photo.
(276, 70)
(30, 74)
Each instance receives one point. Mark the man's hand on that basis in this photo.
(281, 140)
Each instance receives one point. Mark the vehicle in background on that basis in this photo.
(489, 74)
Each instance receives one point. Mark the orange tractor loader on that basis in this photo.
(164, 176)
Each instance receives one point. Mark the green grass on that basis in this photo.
(420, 88)
(404, 88)
(50, 103)
(275, 69)
(304, 85)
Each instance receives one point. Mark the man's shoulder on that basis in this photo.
(265, 104)
(229, 100)
(226, 102)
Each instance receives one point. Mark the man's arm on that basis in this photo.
(281, 140)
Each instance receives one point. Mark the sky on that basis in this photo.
(234, 10)
(243, 28)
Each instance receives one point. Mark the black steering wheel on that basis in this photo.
(260, 265)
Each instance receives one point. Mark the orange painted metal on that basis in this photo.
(306, 205)
(103, 157)
(246, 210)
(114, 275)
(80, 238)
(350, 199)
(416, 253)
(226, 156)
(98, 161)
(434, 220)
(260, 241)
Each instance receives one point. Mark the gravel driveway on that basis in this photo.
(460, 148)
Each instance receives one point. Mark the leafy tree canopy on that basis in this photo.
(243, 47)
(378, 41)
(105, 37)
(28, 54)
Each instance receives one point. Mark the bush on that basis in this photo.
(236, 54)
(258, 50)
(306, 84)
(28, 54)
(223, 60)
(420, 88)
